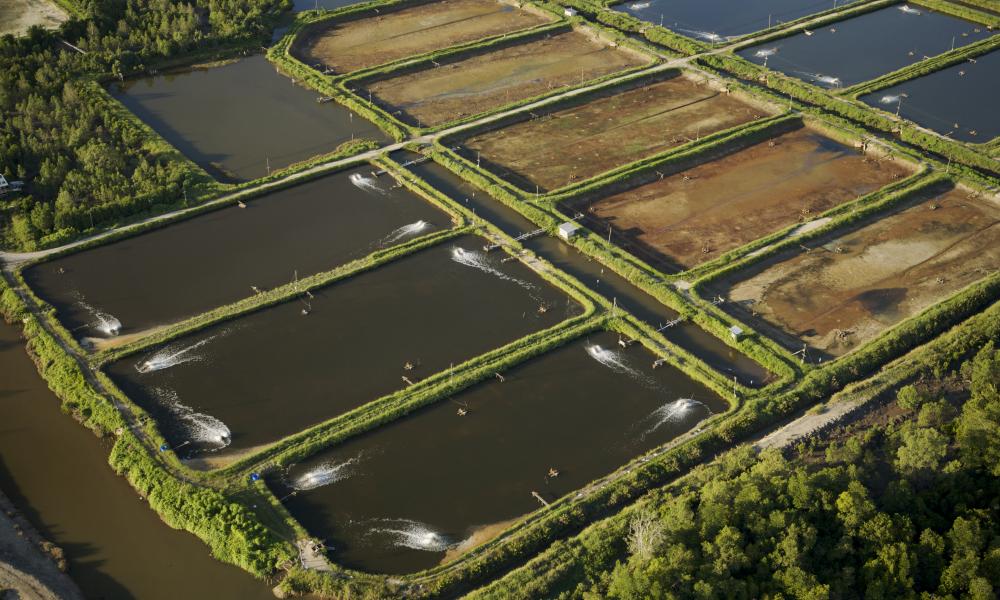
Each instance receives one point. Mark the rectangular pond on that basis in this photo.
(959, 102)
(426, 488)
(467, 85)
(851, 285)
(240, 120)
(588, 137)
(722, 20)
(273, 373)
(597, 277)
(385, 35)
(866, 46)
(111, 292)
(696, 215)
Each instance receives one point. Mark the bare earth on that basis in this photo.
(847, 291)
(580, 142)
(345, 46)
(16, 16)
(488, 80)
(698, 214)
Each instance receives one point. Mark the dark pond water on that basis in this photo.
(717, 20)
(278, 371)
(195, 265)
(866, 46)
(57, 473)
(594, 275)
(398, 499)
(960, 101)
(236, 120)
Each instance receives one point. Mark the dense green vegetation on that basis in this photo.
(892, 511)
(86, 163)
(783, 520)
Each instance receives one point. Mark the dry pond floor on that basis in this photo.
(487, 80)
(582, 141)
(852, 287)
(359, 43)
(699, 214)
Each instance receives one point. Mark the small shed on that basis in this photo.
(736, 331)
(569, 12)
(568, 229)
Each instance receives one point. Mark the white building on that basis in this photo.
(568, 229)
(569, 12)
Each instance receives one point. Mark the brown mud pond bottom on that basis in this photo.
(481, 82)
(847, 290)
(582, 141)
(375, 39)
(701, 213)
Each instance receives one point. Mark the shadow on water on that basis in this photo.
(275, 372)
(594, 275)
(195, 265)
(241, 119)
(866, 46)
(419, 490)
(56, 472)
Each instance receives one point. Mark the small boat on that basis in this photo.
(639, 5)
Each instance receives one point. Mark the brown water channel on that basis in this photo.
(57, 473)
(276, 372)
(400, 498)
(193, 266)
(239, 119)
(594, 275)
(867, 46)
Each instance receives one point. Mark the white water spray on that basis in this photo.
(824, 79)
(365, 183)
(199, 427)
(765, 52)
(675, 412)
(326, 473)
(706, 35)
(889, 99)
(477, 260)
(406, 231)
(416, 536)
(906, 8)
(171, 356)
(107, 324)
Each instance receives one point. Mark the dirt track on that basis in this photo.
(701, 213)
(345, 46)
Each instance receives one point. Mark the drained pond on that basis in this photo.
(192, 266)
(595, 276)
(721, 20)
(584, 138)
(867, 46)
(959, 101)
(699, 214)
(424, 489)
(241, 120)
(849, 286)
(372, 38)
(256, 379)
